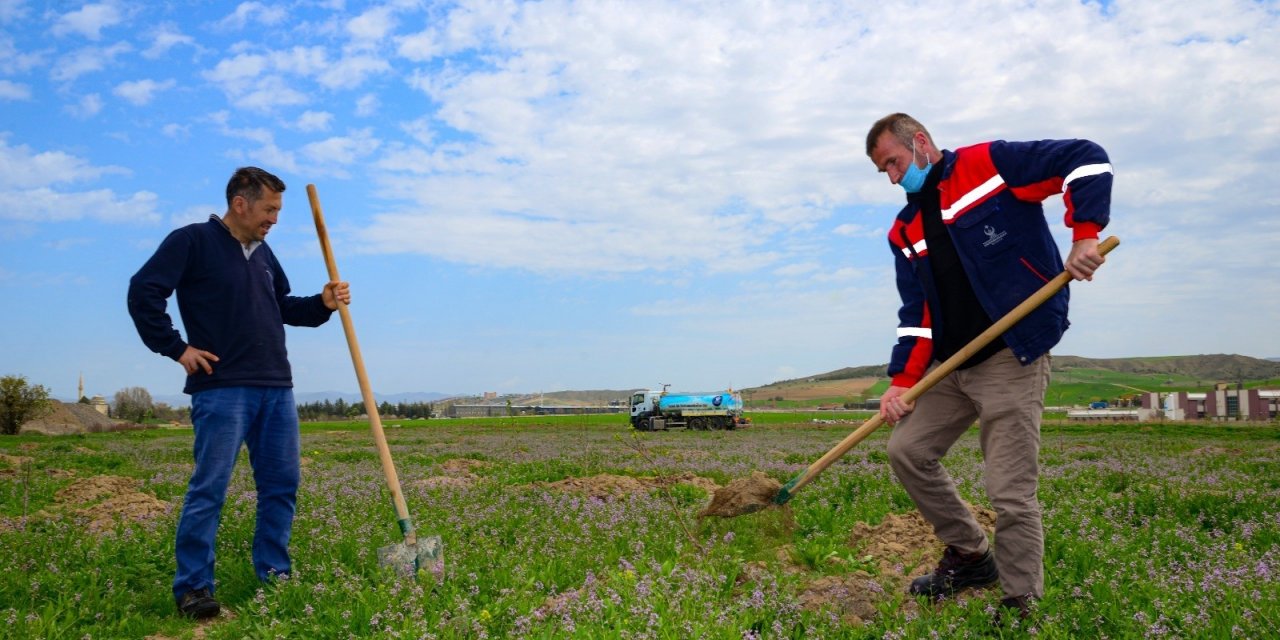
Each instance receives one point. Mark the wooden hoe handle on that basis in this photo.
(366, 391)
(943, 370)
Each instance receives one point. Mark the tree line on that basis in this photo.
(21, 401)
(341, 409)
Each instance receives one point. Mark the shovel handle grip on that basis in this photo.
(941, 371)
(366, 391)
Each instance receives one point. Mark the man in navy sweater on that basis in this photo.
(971, 243)
(234, 301)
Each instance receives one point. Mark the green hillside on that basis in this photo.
(1079, 381)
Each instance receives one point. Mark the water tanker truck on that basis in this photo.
(654, 410)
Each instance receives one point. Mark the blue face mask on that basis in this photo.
(913, 179)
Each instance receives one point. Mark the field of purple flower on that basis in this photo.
(574, 527)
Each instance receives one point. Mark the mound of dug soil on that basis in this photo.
(456, 473)
(70, 417)
(902, 546)
(104, 500)
(742, 496)
(611, 486)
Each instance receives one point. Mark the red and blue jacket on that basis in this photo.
(990, 197)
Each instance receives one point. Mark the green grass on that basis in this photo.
(1164, 530)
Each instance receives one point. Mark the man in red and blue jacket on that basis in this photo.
(972, 243)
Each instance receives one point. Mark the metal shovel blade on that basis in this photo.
(427, 554)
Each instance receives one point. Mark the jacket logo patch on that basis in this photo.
(992, 237)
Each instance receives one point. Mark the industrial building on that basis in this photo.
(1223, 404)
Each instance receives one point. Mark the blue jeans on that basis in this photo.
(265, 419)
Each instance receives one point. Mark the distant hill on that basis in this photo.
(1202, 367)
(581, 398)
(1219, 367)
(1076, 378)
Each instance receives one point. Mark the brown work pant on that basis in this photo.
(1007, 399)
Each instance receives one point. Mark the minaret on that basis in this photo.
(81, 392)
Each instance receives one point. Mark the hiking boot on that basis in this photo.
(198, 604)
(1014, 608)
(956, 571)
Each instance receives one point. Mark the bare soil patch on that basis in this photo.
(105, 500)
(458, 466)
(813, 390)
(854, 597)
(903, 548)
(457, 473)
(15, 461)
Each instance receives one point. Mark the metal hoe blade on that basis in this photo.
(427, 554)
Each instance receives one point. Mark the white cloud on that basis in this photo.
(797, 269)
(196, 213)
(372, 25)
(141, 92)
(231, 71)
(269, 93)
(255, 12)
(854, 230)
(66, 244)
(367, 105)
(23, 168)
(88, 21)
(341, 150)
(14, 61)
(579, 121)
(86, 60)
(166, 37)
(11, 10)
(33, 188)
(314, 121)
(48, 205)
(14, 91)
(176, 131)
(301, 61)
(350, 72)
(88, 106)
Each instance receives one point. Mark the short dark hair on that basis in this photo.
(247, 182)
(902, 126)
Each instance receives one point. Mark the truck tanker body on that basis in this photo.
(653, 410)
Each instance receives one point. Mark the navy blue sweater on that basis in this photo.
(232, 307)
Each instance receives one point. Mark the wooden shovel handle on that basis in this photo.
(366, 391)
(943, 370)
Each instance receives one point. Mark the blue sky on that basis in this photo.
(570, 195)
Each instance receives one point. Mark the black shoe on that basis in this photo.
(198, 604)
(956, 571)
(1014, 608)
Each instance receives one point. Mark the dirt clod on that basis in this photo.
(742, 496)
